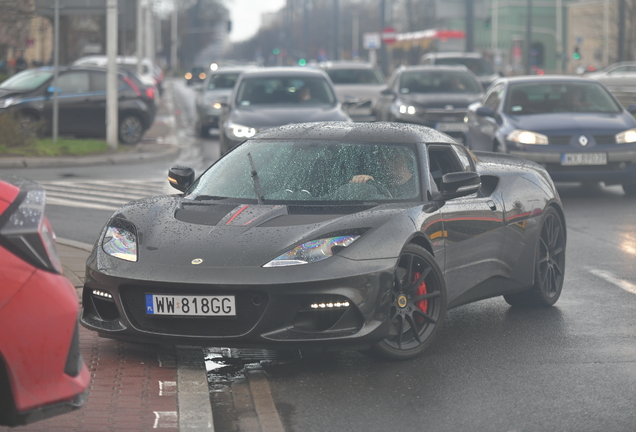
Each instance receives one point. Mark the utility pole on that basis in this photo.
(173, 39)
(111, 74)
(140, 34)
(606, 33)
(306, 29)
(470, 26)
(150, 33)
(621, 30)
(383, 56)
(559, 35)
(528, 38)
(56, 70)
(494, 36)
(336, 29)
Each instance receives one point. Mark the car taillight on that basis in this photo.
(150, 93)
(27, 232)
(133, 86)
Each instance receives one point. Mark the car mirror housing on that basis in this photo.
(387, 92)
(180, 177)
(484, 111)
(458, 184)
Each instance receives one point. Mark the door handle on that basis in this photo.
(492, 205)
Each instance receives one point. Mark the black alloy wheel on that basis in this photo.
(131, 129)
(418, 306)
(549, 266)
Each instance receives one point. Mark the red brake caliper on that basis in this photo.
(421, 290)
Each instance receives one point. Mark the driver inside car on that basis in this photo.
(397, 175)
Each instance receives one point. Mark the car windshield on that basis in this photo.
(554, 97)
(312, 171)
(437, 81)
(27, 80)
(285, 90)
(479, 67)
(223, 80)
(355, 76)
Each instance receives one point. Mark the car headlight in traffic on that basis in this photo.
(527, 137)
(626, 137)
(120, 241)
(7, 102)
(407, 109)
(240, 131)
(312, 251)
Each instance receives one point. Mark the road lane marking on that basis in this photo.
(167, 388)
(607, 276)
(165, 420)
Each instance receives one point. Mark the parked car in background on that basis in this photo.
(264, 98)
(41, 370)
(196, 75)
(433, 96)
(358, 86)
(572, 126)
(214, 93)
(475, 62)
(82, 102)
(618, 78)
(147, 74)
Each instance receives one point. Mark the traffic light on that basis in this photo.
(276, 51)
(576, 55)
(302, 62)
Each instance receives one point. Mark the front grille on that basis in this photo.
(611, 166)
(560, 140)
(605, 139)
(248, 312)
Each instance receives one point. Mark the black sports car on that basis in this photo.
(328, 236)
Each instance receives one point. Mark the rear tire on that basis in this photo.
(418, 306)
(131, 129)
(549, 266)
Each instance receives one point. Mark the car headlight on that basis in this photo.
(527, 137)
(240, 131)
(407, 109)
(312, 251)
(626, 137)
(120, 241)
(7, 102)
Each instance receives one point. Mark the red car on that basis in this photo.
(42, 373)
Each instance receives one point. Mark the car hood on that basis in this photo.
(174, 231)
(440, 100)
(266, 116)
(7, 93)
(362, 92)
(571, 123)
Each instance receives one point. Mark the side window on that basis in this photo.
(493, 98)
(462, 154)
(73, 82)
(98, 81)
(443, 160)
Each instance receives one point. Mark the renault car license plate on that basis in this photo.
(584, 159)
(166, 304)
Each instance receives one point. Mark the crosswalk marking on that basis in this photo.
(102, 194)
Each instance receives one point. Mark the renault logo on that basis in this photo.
(197, 261)
(583, 140)
(449, 107)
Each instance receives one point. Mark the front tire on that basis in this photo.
(549, 266)
(418, 306)
(131, 129)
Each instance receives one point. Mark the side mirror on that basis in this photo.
(181, 177)
(631, 109)
(458, 184)
(484, 111)
(387, 92)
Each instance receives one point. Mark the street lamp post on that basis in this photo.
(528, 56)
(111, 74)
(56, 69)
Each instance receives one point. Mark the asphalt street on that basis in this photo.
(571, 367)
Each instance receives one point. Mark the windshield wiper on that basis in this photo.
(209, 197)
(255, 180)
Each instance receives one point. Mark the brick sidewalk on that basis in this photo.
(133, 386)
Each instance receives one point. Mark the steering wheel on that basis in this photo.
(383, 190)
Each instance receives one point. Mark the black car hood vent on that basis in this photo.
(203, 214)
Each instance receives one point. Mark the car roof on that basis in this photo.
(377, 132)
(434, 68)
(283, 71)
(545, 78)
(454, 55)
(346, 65)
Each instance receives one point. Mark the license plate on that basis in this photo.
(166, 304)
(452, 127)
(584, 159)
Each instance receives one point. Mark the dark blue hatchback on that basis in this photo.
(572, 126)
